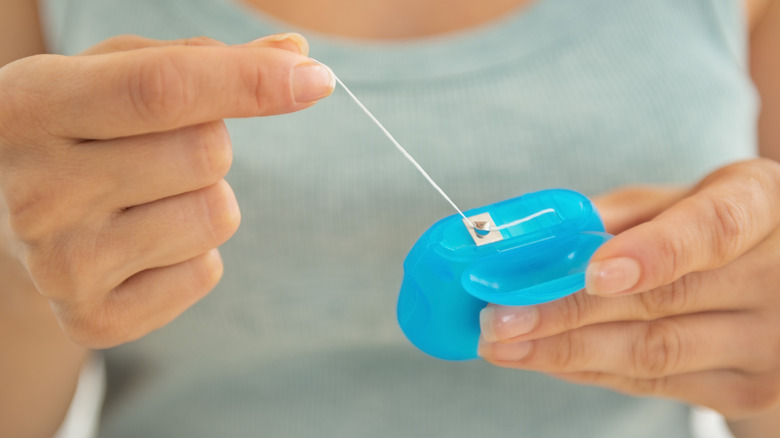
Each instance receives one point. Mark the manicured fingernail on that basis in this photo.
(504, 322)
(294, 38)
(504, 352)
(312, 81)
(612, 276)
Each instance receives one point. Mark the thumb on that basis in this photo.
(729, 212)
(122, 43)
(291, 42)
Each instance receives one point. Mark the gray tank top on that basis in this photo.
(300, 337)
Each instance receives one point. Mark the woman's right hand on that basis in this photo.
(112, 166)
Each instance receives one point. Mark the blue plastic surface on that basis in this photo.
(448, 279)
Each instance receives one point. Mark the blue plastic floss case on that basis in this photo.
(453, 271)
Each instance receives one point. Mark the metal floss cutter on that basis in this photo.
(453, 271)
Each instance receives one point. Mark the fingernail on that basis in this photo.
(504, 352)
(295, 38)
(504, 322)
(311, 82)
(612, 276)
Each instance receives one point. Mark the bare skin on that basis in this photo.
(145, 267)
(40, 363)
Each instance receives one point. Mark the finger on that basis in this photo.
(163, 88)
(161, 233)
(100, 177)
(730, 212)
(659, 348)
(629, 207)
(172, 230)
(693, 293)
(121, 43)
(143, 303)
(137, 170)
(735, 395)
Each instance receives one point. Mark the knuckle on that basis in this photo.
(68, 267)
(658, 350)
(730, 223)
(43, 211)
(214, 152)
(35, 215)
(25, 225)
(223, 211)
(674, 254)
(42, 191)
(208, 272)
(158, 89)
(671, 298)
(572, 310)
(256, 81)
(568, 353)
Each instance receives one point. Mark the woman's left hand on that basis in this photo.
(694, 313)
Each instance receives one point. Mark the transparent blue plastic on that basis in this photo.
(448, 279)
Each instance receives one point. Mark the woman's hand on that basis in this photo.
(694, 299)
(112, 166)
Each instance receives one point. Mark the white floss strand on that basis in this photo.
(402, 150)
(525, 219)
